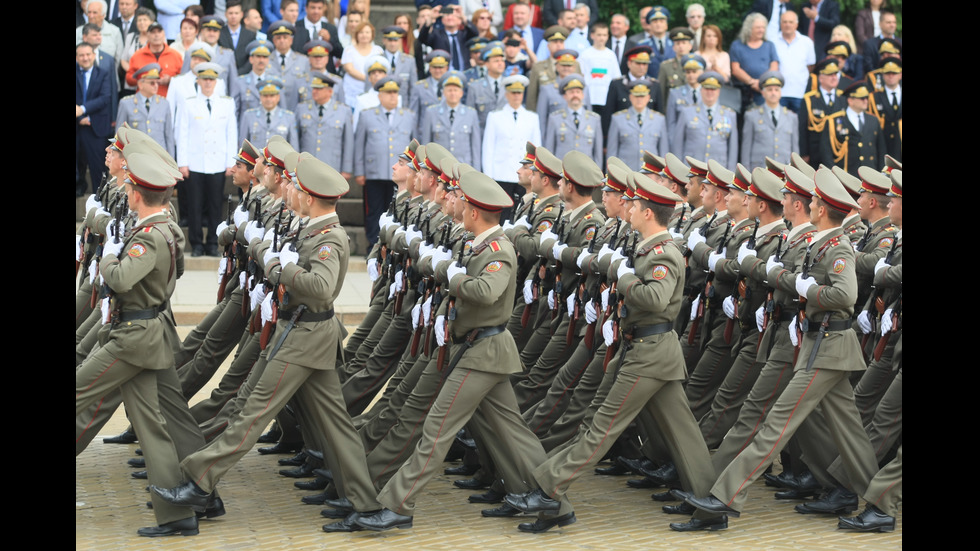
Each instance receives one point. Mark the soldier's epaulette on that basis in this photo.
(377, 110)
(548, 208)
(192, 97)
(290, 113)
(805, 236)
(890, 227)
(157, 98)
(655, 248)
(588, 216)
(744, 229)
(769, 237)
(226, 97)
(621, 113)
(256, 109)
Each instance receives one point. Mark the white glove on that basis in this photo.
(453, 270)
(880, 265)
(412, 235)
(803, 285)
(886, 321)
(440, 255)
(392, 290)
(242, 279)
(551, 299)
(288, 256)
(674, 234)
(399, 231)
(269, 234)
(78, 246)
(102, 212)
(111, 247)
(590, 313)
(694, 239)
(104, 307)
(384, 221)
(855, 245)
(222, 264)
(92, 203)
(744, 252)
(507, 225)
(557, 249)
(416, 310)
(728, 305)
(864, 322)
(617, 255)
(372, 269)
(240, 215)
(427, 308)
(605, 298)
(221, 227)
(694, 307)
(793, 337)
(581, 257)
(570, 302)
(760, 318)
(425, 248)
(607, 332)
(93, 267)
(522, 221)
(267, 308)
(528, 292)
(772, 263)
(440, 330)
(257, 295)
(713, 259)
(623, 270)
(398, 281)
(548, 234)
(254, 231)
(269, 256)
(604, 251)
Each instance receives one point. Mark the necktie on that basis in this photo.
(208, 101)
(575, 119)
(321, 111)
(660, 46)
(268, 117)
(147, 105)
(454, 52)
(616, 49)
(894, 100)
(452, 116)
(782, 8)
(711, 119)
(392, 62)
(860, 122)
(694, 96)
(496, 89)
(773, 115)
(282, 63)
(388, 115)
(515, 116)
(639, 119)
(830, 98)
(84, 85)
(438, 91)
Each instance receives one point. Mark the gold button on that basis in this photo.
(861, 158)
(860, 144)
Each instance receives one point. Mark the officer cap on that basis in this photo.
(858, 90)
(259, 48)
(693, 62)
(742, 179)
(317, 48)
(676, 170)
(565, 56)
(573, 80)
(281, 27)
(579, 169)
(276, 150)
(320, 180)
(323, 79)
(827, 66)
(833, 192)
(419, 159)
(409, 152)
(546, 163)
(765, 185)
(640, 87)
(771, 78)
(892, 65)
(148, 171)
(434, 154)
(658, 12)
(290, 162)
(143, 143)
(476, 44)
(851, 183)
(896, 187)
(493, 49)
(529, 154)
(654, 192)
(453, 78)
(718, 175)
(681, 33)
(555, 32)
(797, 182)
(617, 175)
(873, 181)
(247, 153)
(386, 84)
(639, 54)
(698, 167)
(447, 167)
(838, 48)
(652, 164)
(711, 80)
(150, 71)
(776, 167)
(891, 163)
(799, 164)
(202, 50)
(889, 46)
(483, 192)
(392, 32)
(270, 86)
(437, 58)
(208, 70)
(124, 134)
(212, 22)
(516, 83)
(376, 63)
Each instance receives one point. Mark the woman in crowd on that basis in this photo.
(715, 58)
(189, 29)
(482, 22)
(404, 21)
(854, 65)
(361, 48)
(752, 55)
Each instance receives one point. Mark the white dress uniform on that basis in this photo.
(456, 129)
(328, 136)
(184, 86)
(628, 139)
(505, 140)
(157, 122)
(761, 139)
(207, 142)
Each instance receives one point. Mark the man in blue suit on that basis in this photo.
(93, 115)
(449, 33)
(522, 24)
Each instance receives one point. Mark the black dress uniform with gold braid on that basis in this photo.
(845, 145)
(814, 111)
(887, 106)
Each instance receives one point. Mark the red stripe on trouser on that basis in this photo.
(765, 409)
(107, 368)
(434, 442)
(604, 436)
(374, 383)
(776, 443)
(94, 415)
(885, 491)
(245, 436)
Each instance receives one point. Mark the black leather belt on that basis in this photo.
(642, 331)
(480, 333)
(307, 315)
(836, 325)
(148, 314)
(785, 314)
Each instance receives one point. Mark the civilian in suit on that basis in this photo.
(522, 24)
(887, 106)
(551, 8)
(889, 24)
(708, 130)
(817, 105)
(574, 128)
(325, 126)
(235, 36)
(93, 117)
(635, 39)
(507, 132)
(147, 111)
(454, 125)
(637, 62)
(104, 61)
(207, 142)
(382, 134)
(122, 14)
(272, 12)
(315, 25)
(637, 129)
(449, 33)
(853, 138)
(112, 39)
(818, 19)
(769, 130)
(619, 25)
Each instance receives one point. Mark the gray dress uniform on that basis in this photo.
(327, 132)
(222, 56)
(424, 93)
(378, 141)
(156, 120)
(679, 98)
(694, 136)
(247, 93)
(482, 96)
(463, 137)
(296, 75)
(562, 136)
(257, 128)
(761, 138)
(628, 139)
(550, 99)
(403, 70)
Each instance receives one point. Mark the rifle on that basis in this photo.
(581, 297)
(119, 212)
(680, 219)
(266, 328)
(451, 309)
(770, 304)
(437, 292)
(877, 301)
(560, 229)
(883, 341)
(87, 236)
(709, 289)
(741, 289)
(227, 255)
(596, 295)
(251, 267)
(539, 275)
(620, 312)
(280, 298)
(801, 315)
(407, 270)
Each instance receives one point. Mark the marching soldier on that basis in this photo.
(452, 124)
(146, 110)
(574, 128)
(817, 106)
(770, 130)
(853, 138)
(637, 129)
(325, 126)
(258, 124)
(708, 130)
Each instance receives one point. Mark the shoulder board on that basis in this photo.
(547, 209)
(289, 113)
(325, 231)
(192, 97)
(225, 97)
(588, 216)
(494, 246)
(890, 227)
(147, 229)
(377, 110)
(745, 228)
